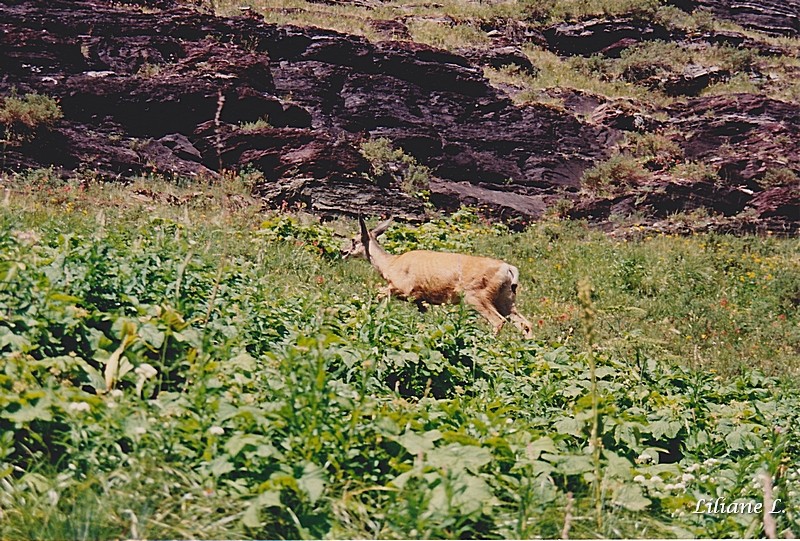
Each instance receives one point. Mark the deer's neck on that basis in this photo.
(380, 258)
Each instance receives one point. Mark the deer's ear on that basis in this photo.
(381, 228)
(364, 231)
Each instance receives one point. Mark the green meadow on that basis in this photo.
(178, 363)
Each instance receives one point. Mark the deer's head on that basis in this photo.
(358, 246)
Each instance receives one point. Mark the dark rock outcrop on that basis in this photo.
(141, 89)
(175, 91)
(775, 17)
(742, 135)
(750, 140)
(500, 57)
(605, 36)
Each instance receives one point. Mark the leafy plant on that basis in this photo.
(386, 160)
(22, 116)
(614, 175)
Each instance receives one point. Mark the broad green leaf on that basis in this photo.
(616, 466)
(542, 445)
(251, 518)
(472, 495)
(630, 496)
(458, 456)
(416, 444)
(742, 437)
(17, 342)
(252, 515)
(569, 425)
(243, 361)
(220, 466)
(664, 428)
(575, 464)
(312, 481)
(151, 335)
(31, 412)
(603, 371)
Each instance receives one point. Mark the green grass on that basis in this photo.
(186, 366)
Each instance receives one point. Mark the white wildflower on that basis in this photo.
(693, 468)
(644, 458)
(140, 430)
(79, 406)
(216, 431)
(640, 479)
(115, 393)
(686, 477)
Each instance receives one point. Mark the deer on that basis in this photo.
(424, 276)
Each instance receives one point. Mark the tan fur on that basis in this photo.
(489, 285)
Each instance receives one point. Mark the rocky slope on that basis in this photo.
(171, 90)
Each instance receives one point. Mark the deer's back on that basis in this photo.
(441, 277)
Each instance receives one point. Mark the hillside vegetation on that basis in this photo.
(177, 364)
(767, 64)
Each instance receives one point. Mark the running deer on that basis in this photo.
(489, 285)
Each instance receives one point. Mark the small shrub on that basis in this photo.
(652, 60)
(612, 176)
(21, 116)
(656, 151)
(394, 162)
(260, 124)
(455, 233)
(148, 70)
(315, 238)
(695, 171)
(779, 176)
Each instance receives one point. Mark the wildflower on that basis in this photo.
(686, 477)
(140, 430)
(145, 371)
(216, 431)
(644, 458)
(640, 479)
(79, 407)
